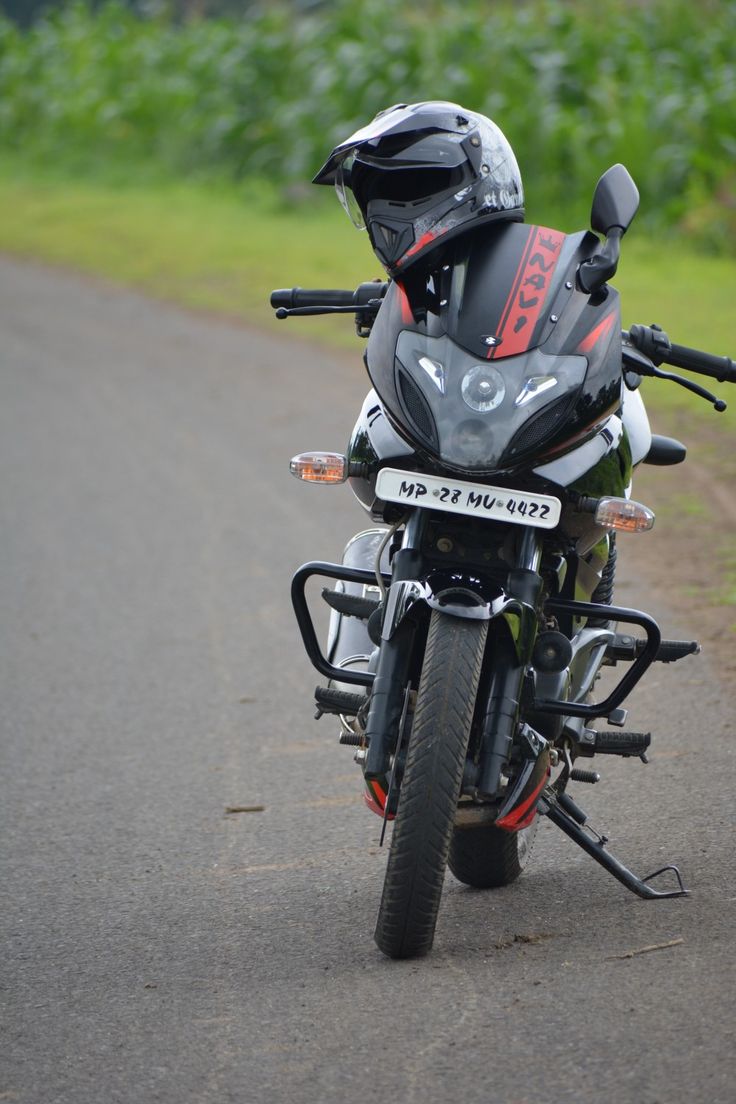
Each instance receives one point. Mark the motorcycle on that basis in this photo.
(468, 629)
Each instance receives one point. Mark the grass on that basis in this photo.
(223, 248)
(269, 90)
(210, 247)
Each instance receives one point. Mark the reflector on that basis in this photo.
(320, 467)
(624, 514)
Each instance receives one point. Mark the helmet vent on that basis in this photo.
(388, 235)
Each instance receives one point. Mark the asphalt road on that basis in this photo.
(158, 948)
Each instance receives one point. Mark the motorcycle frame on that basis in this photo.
(409, 592)
(502, 726)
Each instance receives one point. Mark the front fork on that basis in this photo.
(513, 642)
(516, 615)
(515, 619)
(394, 657)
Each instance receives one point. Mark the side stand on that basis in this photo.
(549, 807)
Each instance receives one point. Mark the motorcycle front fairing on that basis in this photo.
(495, 358)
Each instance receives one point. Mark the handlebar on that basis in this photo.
(656, 345)
(308, 297)
(651, 341)
(329, 298)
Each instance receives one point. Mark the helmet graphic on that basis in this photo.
(422, 173)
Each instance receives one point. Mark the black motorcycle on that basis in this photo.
(468, 630)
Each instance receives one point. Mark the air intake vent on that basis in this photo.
(418, 410)
(539, 429)
(388, 235)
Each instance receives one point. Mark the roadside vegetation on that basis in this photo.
(575, 87)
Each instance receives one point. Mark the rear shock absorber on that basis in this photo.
(603, 593)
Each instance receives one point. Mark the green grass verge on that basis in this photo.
(212, 247)
(223, 248)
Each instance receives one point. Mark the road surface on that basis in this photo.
(160, 948)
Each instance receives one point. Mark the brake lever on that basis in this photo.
(695, 388)
(641, 364)
(371, 307)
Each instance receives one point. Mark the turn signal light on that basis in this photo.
(622, 513)
(320, 467)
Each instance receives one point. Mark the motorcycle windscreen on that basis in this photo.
(477, 415)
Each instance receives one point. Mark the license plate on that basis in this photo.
(473, 499)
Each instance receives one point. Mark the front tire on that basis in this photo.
(430, 786)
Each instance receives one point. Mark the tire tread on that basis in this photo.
(431, 786)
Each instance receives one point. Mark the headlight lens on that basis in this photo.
(533, 387)
(483, 388)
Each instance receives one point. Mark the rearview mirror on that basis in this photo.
(615, 201)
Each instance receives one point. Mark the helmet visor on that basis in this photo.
(343, 176)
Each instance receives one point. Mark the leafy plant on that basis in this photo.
(107, 90)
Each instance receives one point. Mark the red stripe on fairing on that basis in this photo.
(514, 287)
(528, 296)
(407, 317)
(597, 334)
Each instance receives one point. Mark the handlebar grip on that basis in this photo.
(722, 369)
(656, 345)
(311, 297)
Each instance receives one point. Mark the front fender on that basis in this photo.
(462, 601)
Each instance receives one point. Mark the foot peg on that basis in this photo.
(329, 700)
(351, 605)
(628, 647)
(591, 777)
(622, 743)
(670, 650)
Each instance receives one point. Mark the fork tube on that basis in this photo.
(414, 529)
(394, 660)
(510, 655)
(530, 550)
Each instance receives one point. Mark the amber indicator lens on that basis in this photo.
(320, 467)
(624, 514)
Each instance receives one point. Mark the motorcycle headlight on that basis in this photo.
(483, 388)
(534, 386)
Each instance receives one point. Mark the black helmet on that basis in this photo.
(422, 173)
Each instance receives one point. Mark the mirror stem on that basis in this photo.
(594, 272)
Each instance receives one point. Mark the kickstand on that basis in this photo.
(549, 807)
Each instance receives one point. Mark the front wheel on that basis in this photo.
(431, 785)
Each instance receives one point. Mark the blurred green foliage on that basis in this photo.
(575, 87)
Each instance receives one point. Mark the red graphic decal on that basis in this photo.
(515, 818)
(406, 312)
(425, 239)
(528, 292)
(597, 334)
(375, 799)
(373, 804)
